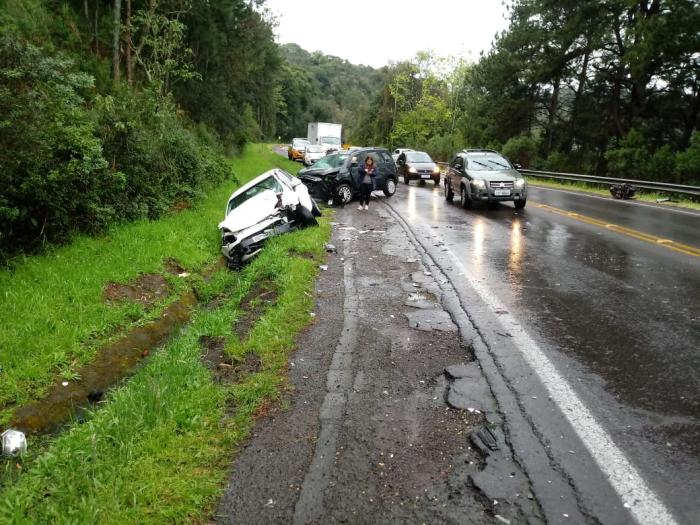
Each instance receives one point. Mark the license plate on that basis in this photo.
(425, 176)
(501, 193)
(259, 237)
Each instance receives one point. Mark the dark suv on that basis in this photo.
(484, 175)
(341, 184)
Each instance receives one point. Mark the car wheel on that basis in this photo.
(449, 194)
(344, 193)
(520, 204)
(390, 187)
(464, 199)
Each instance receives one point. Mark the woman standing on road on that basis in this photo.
(367, 172)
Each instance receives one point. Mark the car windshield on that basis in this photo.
(331, 161)
(300, 143)
(314, 149)
(270, 183)
(491, 162)
(418, 156)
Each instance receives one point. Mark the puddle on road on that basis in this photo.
(112, 363)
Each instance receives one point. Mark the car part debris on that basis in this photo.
(271, 204)
(14, 443)
(324, 267)
(622, 191)
(330, 248)
(485, 440)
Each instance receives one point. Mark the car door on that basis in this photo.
(359, 160)
(401, 165)
(454, 173)
(387, 169)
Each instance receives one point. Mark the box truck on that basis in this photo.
(326, 134)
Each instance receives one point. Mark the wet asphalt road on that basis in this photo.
(618, 317)
(584, 316)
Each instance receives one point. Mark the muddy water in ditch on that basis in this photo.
(113, 363)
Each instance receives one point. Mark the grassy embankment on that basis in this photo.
(641, 195)
(158, 449)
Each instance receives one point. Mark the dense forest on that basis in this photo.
(610, 86)
(318, 87)
(114, 110)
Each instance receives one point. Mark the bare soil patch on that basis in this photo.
(223, 367)
(253, 306)
(147, 290)
(173, 267)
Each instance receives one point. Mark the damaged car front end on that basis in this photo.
(271, 204)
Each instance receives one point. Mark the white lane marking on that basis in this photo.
(621, 202)
(636, 495)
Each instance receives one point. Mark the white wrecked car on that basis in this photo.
(269, 205)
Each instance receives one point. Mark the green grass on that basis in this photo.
(54, 318)
(158, 450)
(642, 195)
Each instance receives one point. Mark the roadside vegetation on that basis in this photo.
(601, 88)
(157, 448)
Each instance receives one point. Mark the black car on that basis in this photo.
(484, 175)
(417, 165)
(341, 183)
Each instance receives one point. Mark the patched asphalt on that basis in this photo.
(384, 399)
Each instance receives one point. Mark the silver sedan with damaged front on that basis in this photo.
(271, 204)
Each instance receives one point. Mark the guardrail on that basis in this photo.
(645, 184)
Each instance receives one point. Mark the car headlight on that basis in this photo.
(519, 183)
(479, 183)
(436, 169)
(412, 170)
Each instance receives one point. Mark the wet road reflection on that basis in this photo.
(515, 256)
(623, 313)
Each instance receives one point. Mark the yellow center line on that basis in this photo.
(659, 241)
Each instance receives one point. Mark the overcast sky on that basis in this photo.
(374, 32)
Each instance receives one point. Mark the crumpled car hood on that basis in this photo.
(252, 211)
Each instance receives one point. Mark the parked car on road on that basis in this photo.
(397, 152)
(483, 175)
(297, 148)
(271, 204)
(417, 165)
(312, 153)
(342, 183)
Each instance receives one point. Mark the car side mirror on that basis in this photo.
(353, 162)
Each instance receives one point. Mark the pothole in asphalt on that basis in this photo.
(428, 320)
(254, 304)
(422, 299)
